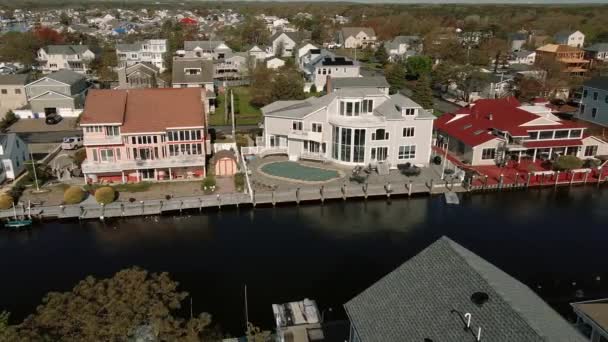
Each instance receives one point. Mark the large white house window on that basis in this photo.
(112, 130)
(408, 131)
(351, 108)
(544, 135)
(296, 125)
(348, 144)
(410, 111)
(561, 134)
(317, 127)
(407, 152)
(488, 153)
(380, 134)
(368, 106)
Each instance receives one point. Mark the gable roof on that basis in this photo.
(145, 110)
(179, 76)
(564, 35)
(190, 45)
(145, 67)
(473, 125)
(14, 79)
(359, 82)
(66, 49)
(353, 31)
(427, 296)
(597, 47)
(599, 82)
(297, 37)
(65, 76)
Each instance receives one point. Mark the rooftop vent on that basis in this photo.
(467, 126)
(479, 298)
(490, 116)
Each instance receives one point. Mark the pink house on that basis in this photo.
(144, 134)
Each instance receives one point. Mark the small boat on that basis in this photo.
(451, 198)
(16, 224)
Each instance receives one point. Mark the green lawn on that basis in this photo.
(247, 114)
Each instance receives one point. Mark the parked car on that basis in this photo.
(71, 143)
(52, 119)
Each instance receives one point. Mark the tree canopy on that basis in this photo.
(395, 76)
(416, 66)
(132, 303)
(422, 92)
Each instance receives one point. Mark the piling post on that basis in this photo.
(431, 187)
(388, 189)
(500, 180)
(181, 205)
(409, 189)
(102, 212)
(200, 205)
(62, 208)
(586, 175)
(161, 205)
(364, 188)
(528, 179)
(571, 178)
(122, 209)
(219, 202)
(485, 182)
(542, 179)
(273, 202)
(253, 197)
(343, 189)
(322, 194)
(516, 179)
(298, 196)
(556, 178)
(599, 177)
(142, 207)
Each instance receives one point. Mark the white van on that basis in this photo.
(71, 143)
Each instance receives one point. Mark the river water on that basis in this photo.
(554, 241)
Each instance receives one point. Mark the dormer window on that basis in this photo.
(409, 111)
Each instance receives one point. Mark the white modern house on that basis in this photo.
(147, 51)
(350, 126)
(13, 153)
(206, 49)
(571, 38)
(319, 64)
(285, 43)
(71, 57)
(402, 47)
(524, 57)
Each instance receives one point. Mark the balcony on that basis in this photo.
(106, 140)
(123, 165)
(305, 135)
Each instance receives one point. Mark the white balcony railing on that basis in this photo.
(263, 150)
(306, 135)
(107, 140)
(124, 165)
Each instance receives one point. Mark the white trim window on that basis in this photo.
(106, 155)
(407, 152)
(410, 111)
(408, 132)
(591, 150)
(296, 125)
(488, 153)
(317, 127)
(380, 134)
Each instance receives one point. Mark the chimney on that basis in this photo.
(328, 85)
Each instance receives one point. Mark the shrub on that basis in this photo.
(567, 163)
(313, 88)
(208, 184)
(6, 201)
(105, 195)
(437, 160)
(239, 181)
(79, 156)
(73, 195)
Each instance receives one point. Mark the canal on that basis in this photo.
(554, 241)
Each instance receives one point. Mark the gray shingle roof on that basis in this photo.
(297, 37)
(353, 31)
(418, 299)
(600, 82)
(66, 49)
(391, 109)
(359, 82)
(14, 79)
(203, 44)
(178, 75)
(297, 109)
(598, 47)
(129, 47)
(66, 76)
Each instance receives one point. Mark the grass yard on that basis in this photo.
(246, 114)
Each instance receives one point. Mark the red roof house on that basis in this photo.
(492, 131)
(188, 21)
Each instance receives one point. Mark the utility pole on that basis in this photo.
(232, 112)
(225, 103)
(447, 146)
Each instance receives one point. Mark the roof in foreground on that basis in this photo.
(145, 110)
(179, 74)
(600, 82)
(359, 82)
(14, 79)
(66, 76)
(427, 296)
(596, 310)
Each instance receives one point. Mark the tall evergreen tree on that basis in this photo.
(380, 55)
(395, 75)
(422, 93)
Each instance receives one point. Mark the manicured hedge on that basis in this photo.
(73, 195)
(105, 195)
(6, 201)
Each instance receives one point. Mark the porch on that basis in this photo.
(147, 175)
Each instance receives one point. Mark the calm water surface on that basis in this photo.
(553, 241)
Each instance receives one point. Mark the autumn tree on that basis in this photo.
(105, 62)
(7, 332)
(287, 85)
(132, 303)
(527, 88)
(254, 32)
(422, 92)
(19, 47)
(64, 19)
(261, 82)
